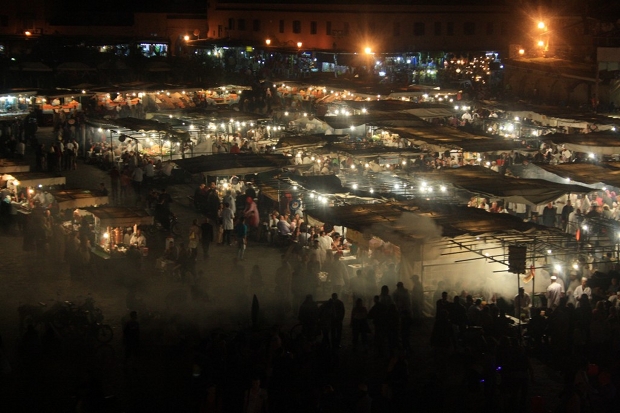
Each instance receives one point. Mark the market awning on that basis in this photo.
(34, 179)
(77, 198)
(372, 119)
(111, 216)
(441, 138)
(604, 174)
(74, 67)
(225, 164)
(31, 67)
(8, 166)
(390, 221)
(554, 116)
(483, 181)
(137, 125)
(321, 183)
(300, 141)
(370, 150)
(598, 143)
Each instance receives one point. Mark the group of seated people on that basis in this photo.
(283, 227)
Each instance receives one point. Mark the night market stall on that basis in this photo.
(38, 179)
(26, 190)
(442, 247)
(77, 198)
(114, 232)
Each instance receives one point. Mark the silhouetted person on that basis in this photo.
(378, 314)
(337, 320)
(417, 297)
(442, 304)
(326, 318)
(207, 237)
(359, 324)
(385, 297)
(441, 339)
(402, 299)
(308, 317)
(458, 314)
(131, 336)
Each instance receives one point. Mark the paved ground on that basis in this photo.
(172, 313)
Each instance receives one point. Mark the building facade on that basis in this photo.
(344, 26)
(22, 23)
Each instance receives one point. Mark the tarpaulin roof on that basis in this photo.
(320, 183)
(74, 67)
(552, 115)
(307, 140)
(233, 164)
(389, 105)
(600, 143)
(120, 216)
(480, 180)
(31, 67)
(360, 149)
(136, 124)
(9, 166)
(39, 178)
(372, 119)
(441, 138)
(385, 220)
(588, 173)
(77, 198)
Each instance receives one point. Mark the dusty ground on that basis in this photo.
(170, 311)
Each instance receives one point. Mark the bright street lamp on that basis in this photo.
(541, 25)
(268, 42)
(368, 50)
(299, 44)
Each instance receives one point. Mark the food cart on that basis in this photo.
(21, 188)
(109, 224)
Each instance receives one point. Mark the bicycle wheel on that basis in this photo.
(104, 333)
(175, 228)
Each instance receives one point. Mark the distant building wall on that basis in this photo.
(353, 27)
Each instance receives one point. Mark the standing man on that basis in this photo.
(76, 153)
(138, 239)
(69, 155)
(232, 201)
(566, 211)
(548, 215)
(228, 217)
(337, 320)
(149, 173)
(582, 289)
(241, 230)
(137, 177)
(115, 178)
(206, 237)
(402, 299)
(523, 303)
(194, 238)
(131, 336)
(554, 293)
